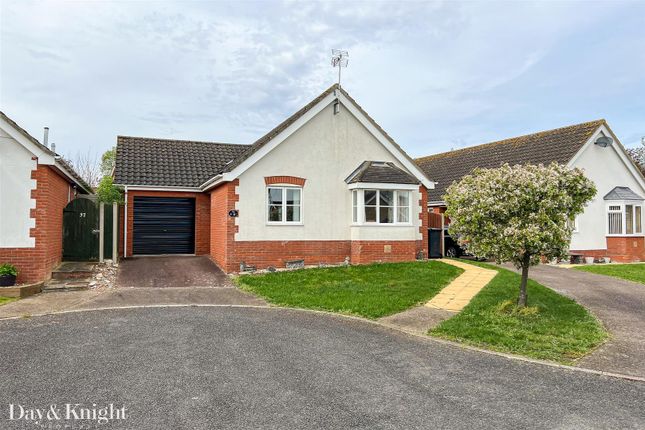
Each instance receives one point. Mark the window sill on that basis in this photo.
(284, 224)
(382, 225)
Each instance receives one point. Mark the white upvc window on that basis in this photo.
(284, 205)
(573, 225)
(381, 206)
(624, 219)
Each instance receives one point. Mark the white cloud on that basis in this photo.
(435, 75)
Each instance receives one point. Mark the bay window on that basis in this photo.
(381, 206)
(284, 205)
(624, 219)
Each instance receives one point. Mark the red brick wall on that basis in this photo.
(263, 254)
(222, 226)
(202, 218)
(386, 250)
(35, 264)
(620, 249)
(293, 180)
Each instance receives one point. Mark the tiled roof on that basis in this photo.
(622, 193)
(558, 145)
(379, 172)
(64, 164)
(171, 163)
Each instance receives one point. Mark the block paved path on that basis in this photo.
(461, 291)
(447, 303)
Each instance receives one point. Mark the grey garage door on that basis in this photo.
(163, 225)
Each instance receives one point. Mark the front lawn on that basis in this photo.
(553, 328)
(631, 272)
(370, 291)
(5, 300)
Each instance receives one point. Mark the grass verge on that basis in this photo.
(554, 327)
(5, 300)
(630, 272)
(371, 291)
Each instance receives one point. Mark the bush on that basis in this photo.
(107, 192)
(8, 269)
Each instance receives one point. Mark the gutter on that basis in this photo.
(212, 182)
(63, 170)
(160, 188)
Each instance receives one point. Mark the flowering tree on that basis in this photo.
(517, 213)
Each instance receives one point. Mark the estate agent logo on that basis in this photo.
(74, 412)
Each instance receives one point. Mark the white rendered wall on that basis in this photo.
(607, 170)
(324, 151)
(15, 194)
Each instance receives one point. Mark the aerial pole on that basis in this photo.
(339, 58)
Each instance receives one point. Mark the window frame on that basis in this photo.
(360, 220)
(622, 210)
(284, 205)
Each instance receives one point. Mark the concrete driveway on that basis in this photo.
(172, 271)
(204, 368)
(619, 304)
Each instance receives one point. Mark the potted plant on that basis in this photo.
(8, 273)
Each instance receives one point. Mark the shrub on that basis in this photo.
(8, 269)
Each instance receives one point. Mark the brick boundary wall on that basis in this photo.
(292, 180)
(52, 194)
(202, 218)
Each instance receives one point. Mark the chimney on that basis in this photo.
(53, 148)
(46, 137)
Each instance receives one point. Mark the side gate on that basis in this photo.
(82, 230)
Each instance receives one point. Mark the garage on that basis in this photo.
(163, 225)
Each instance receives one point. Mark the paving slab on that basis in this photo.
(46, 303)
(419, 319)
(460, 291)
(126, 297)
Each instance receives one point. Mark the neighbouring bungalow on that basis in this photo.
(35, 186)
(326, 186)
(611, 225)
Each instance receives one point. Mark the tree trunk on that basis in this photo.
(521, 300)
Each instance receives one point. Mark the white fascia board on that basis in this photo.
(437, 203)
(43, 156)
(158, 188)
(281, 137)
(379, 186)
(396, 152)
(615, 146)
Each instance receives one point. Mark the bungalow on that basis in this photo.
(327, 185)
(35, 186)
(611, 225)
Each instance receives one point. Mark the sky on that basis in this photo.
(435, 75)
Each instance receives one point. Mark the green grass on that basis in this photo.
(5, 300)
(556, 328)
(631, 272)
(370, 291)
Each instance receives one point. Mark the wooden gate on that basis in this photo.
(81, 230)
